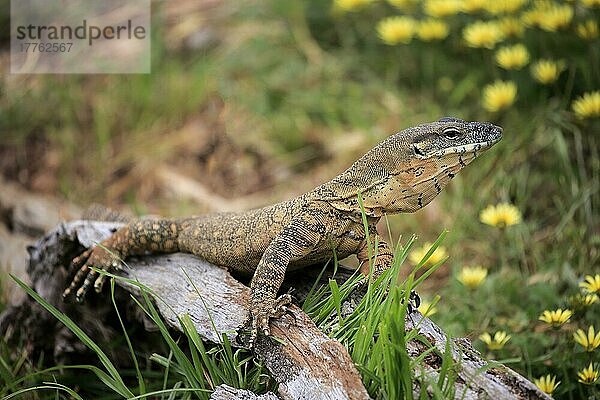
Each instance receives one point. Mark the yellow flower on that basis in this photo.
(418, 254)
(483, 34)
(512, 57)
(511, 6)
(591, 3)
(432, 29)
(533, 17)
(589, 299)
(549, 15)
(547, 71)
(501, 215)
(472, 277)
(394, 30)
(556, 318)
(504, 6)
(547, 384)
(590, 341)
(441, 8)
(427, 308)
(499, 95)
(584, 300)
(351, 5)
(497, 342)
(588, 106)
(551, 18)
(511, 27)
(587, 30)
(472, 6)
(591, 284)
(556, 18)
(588, 375)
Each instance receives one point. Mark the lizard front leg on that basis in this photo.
(293, 243)
(383, 261)
(137, 237)
(383, 257)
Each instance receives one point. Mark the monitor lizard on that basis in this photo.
(402, 174)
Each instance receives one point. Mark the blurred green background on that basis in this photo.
(256, 103)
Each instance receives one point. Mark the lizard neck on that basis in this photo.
(401, 185)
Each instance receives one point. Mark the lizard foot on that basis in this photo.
(260, 318)
(96, 257)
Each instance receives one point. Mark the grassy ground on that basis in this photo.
(308, 89)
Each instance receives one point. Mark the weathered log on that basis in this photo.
(477, 379)
(306, 363)
(224, 392)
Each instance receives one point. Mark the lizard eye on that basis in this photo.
(451, 133)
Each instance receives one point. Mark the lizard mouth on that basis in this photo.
(467, 148)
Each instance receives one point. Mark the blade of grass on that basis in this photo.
(113, 380)
(45, 386)
(140, 378)
(187, 368)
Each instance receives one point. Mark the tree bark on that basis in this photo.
(305, 362)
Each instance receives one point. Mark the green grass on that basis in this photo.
(191, 369)
(374, 332)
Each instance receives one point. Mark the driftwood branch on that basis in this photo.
(306, 363)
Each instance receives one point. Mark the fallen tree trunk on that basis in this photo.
(306, 363)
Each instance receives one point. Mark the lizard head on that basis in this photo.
(449, 136)
(410, 168)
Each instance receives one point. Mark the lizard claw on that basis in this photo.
(80, 294)
(99, 283)
(281, 305)
(259, 324)
(260, 319)
(86, 276)
(78, 263)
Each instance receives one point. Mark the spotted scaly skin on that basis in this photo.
(402, 174)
